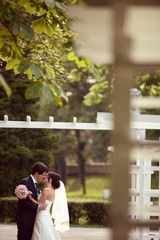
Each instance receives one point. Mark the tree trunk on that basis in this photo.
(60, 165)
(81, 160)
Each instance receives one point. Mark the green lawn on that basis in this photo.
(94, 187)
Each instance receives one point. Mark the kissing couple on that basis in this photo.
(35, 212)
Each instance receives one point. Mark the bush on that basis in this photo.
(75, 212)
(93, 213)
(8, 208)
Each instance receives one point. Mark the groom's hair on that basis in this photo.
(39, 167)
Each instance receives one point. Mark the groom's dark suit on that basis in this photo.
(26, 212)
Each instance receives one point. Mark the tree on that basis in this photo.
(21, 148)
(35, 39)
(76, 144)
(149, 85)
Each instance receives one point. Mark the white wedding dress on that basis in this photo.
(43, 226)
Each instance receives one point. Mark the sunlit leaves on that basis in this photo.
(39, 25)
(71, 56)
(95, 94)
(48, 29)
(29, 5)
(29, 73)
(50, 72)
(149, 83)
(93, 70)
(50, 91)
(82, 63)
(11, 64)
(92, 98)
(34, 37)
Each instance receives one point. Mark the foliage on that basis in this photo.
(101, 88)
(83, 145)
(75, 212)
(21, 148)
(149, 85)
(93, 213)
(35, 39)
(8, 208)
(77, 88)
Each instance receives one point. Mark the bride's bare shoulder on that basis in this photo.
(48, 193)
(48, 190)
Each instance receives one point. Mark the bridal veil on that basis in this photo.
(60, 209)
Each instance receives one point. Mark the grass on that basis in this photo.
(95, 184)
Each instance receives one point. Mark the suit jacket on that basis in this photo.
(26, 210)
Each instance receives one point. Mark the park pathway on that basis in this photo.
(9, 232)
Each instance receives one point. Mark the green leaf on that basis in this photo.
(54, 25)
(24, 65)
(88, 62)
(93, 70)
(59, 91)
(35, 69)
(91, 98)
(50, 72)
(28, 31)
(34, 90)
(50, 3)
(71, 56)
(63, 95)
(48, 30)
(22, 2)
(29, 6)
(12, 63)
(16, 28)
(5, 86)
(29, 73)
(30, 9)
(38, 25)
(80, 63)
(56, 94)
(47, 93)
(60, 6)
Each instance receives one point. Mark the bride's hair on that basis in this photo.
(55, 179)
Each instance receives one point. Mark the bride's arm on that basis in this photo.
(44, 195)
(43, 198)
(32, 199)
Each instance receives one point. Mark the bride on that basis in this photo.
(53, 194)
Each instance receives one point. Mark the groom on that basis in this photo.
(26, 210)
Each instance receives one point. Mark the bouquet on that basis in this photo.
(21, 191)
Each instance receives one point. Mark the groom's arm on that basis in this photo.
(26, 203)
